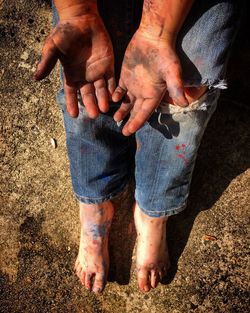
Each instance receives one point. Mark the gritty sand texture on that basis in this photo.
(39, 228)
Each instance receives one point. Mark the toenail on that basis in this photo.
(146, 288)
(97, 290)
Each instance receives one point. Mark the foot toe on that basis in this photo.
(78, 270)
(82, 277)
(77, 263)
(143, 279)
(89, 281)
(154, 278)
(99, 282)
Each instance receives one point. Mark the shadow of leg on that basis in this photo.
(223, 155)
(122, 238)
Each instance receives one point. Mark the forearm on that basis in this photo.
(164, 18)
(73, 8)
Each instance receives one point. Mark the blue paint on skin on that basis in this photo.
(99, 230)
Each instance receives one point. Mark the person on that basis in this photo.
(169, 59)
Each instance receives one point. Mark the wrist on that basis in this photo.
(76, 8)
(158, 34)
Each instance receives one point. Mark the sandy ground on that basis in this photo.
(39, 216)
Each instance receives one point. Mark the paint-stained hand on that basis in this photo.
(150, 68)
(85, 51)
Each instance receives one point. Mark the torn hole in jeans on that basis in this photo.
(167, 108)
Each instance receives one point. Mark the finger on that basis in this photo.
(48, 60)
(111, 84)
(141, 113)
(176, 89)
(89, 100)
(102, 95)
(119, 92)
(71, 99)
(125, 108)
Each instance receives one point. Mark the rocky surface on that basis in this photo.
(39, 216)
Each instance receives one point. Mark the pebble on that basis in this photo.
(25, 56)
(53, 143)
(195, 299)
(207, 237)
(24, 65)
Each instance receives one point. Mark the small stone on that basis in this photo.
(209, 238)
(33, 99)
(195, 299)
(35, 130)
(68, 248)
(53, 143)
(25, 56)
(221, 285)
(24, 65)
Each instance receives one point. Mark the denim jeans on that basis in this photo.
(165, 148)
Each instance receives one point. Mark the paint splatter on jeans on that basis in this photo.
(164, 156)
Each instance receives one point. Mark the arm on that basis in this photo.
(164, 18)
(82, 45)
(151, 66)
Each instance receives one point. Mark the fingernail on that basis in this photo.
(119, 123)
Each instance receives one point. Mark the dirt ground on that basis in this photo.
(39, 215)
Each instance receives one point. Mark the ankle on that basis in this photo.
(144, 218)
(98, 213)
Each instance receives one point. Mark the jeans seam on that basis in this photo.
(104, 198)
(166, 212)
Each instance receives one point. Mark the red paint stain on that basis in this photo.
(182, 155)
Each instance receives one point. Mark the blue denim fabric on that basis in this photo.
(165, 156)
(166, 146)
(99, 155)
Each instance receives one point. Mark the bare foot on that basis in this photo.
(152, 253)
(92, 263)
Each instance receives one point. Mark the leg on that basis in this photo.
(98, 154)
(167, 145)
(92, 263)
(152, 252)
(166, 150)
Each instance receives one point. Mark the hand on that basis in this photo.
(85, 51)
(150, 68)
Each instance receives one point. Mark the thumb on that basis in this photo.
(48, 60)
(175, 87)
